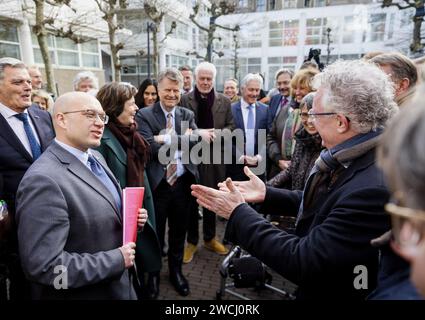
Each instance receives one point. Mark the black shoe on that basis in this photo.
(153, 285)
(179, 282)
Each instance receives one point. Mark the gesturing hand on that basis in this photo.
(253, 190)
(221, 202)
(128, 253)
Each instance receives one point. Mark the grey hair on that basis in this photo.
(251, 77)
(401, 154)
(359, 90)
(10, 62)
(401, 66)
(308, 100)
(171, 74)
(233, 80)
(206, 66)
(85, 75)
(283, 71)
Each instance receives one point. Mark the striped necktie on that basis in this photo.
(172, 166)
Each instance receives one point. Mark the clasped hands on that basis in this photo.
(230, 194)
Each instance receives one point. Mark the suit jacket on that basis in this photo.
(273, 106)
(151, 121)
(261, 118)
(67, 217)
(274, 141)
(330, 240)
(14, 158)
(211, 174)
(148, 252)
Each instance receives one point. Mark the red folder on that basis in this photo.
(132, 202)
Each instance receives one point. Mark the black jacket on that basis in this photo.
(330, 240)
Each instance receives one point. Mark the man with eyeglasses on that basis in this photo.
(69, 212)
(342, 206)
(25, 132)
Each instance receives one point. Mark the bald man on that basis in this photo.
(69, 212)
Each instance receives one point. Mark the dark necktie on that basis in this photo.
(35, 147)
(100, 173)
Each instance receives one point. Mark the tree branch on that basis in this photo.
(192, 18)
(235, 28)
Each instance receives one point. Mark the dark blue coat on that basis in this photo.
(329, 241)
(273, 105)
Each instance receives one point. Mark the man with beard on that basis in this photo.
(279, 101)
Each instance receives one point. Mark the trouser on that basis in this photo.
(208, 224)
(172, 203)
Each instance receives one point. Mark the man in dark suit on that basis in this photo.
(70, 228)
(212, 111)
(278, 113)
(279, 101)
(342, 206)
(250, 116)
(25, 132)
(168, 128)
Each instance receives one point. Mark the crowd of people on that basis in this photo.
(339, 151)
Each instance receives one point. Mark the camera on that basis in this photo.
(315, 55)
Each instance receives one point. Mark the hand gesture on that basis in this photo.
(142, 217)
(253, 190)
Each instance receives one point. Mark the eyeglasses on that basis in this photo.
(408, 225)
(314, 115)
(92, 115)
(304, 115)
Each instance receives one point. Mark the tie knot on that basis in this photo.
(22, 116)
(91, 160)
(250, 106)
(170, 115)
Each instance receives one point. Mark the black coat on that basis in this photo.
(330, 240)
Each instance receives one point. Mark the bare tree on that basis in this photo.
(110, 8)
(416, 46)
(155, 11)
(216, 10)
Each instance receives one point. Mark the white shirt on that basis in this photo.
(18, 126)
(245, 111)
(167, 138)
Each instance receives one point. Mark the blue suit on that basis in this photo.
(261, 118)
(273, 106)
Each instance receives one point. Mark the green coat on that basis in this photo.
(148, 252)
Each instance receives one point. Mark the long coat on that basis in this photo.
(331, 240)
(148, 252)
(211, 174)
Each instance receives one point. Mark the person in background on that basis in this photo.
(277, 102)
(85, 81)
(25, 132)
(126, 153)
(231, 89)
(187, 74)
(36, 77)
(403, 73)
(307, 149)
(42, 99)
(147, 95)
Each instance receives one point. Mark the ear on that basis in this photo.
(343, 124)
(403, 85)
(60, 120)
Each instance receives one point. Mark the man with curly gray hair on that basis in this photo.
(342, 205)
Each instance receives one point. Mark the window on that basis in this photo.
(317, 31)
(261, 5)
(289, 4)
(377, 27)
(348, 32)
(283, 33)
(391, 26)
(90, 54)
(9, 41)
(173, 61)
(276, 63)
(37, 52)
(180, 32)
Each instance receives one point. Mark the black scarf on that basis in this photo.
(205, 103)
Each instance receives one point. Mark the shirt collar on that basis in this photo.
(6, 112)
(245, 104)
(173, 112)
(80, 155)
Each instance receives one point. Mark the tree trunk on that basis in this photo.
(114, 51)
(155, 55)
(417, 45)
(41, 33)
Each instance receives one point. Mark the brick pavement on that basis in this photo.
(204, 277)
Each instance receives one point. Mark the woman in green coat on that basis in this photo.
(126, 153)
